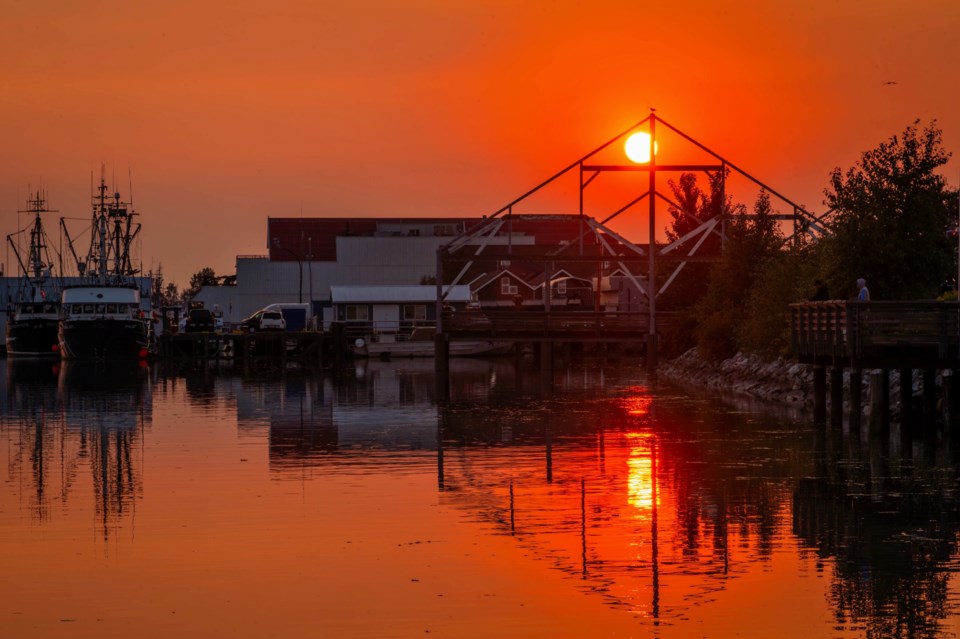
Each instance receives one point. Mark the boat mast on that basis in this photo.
(37, 267)
(114, 230)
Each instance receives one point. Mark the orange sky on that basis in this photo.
(226, 113)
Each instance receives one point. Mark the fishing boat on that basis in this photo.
(34, 314)
(103, 317)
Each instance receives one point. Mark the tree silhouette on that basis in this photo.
(893, 213)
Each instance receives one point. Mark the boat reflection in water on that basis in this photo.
(78, 419)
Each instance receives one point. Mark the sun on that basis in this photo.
(637, 147)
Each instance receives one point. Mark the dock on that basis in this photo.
(879, 337)
(307, 348)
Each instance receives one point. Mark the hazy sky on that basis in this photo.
(228, 112)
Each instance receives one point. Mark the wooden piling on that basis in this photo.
(856, 388)
(337, 343)
(819, 394)
(929, 396)
(880, 402)
(906, 399)
(546, 357)
(836, 395)
(441, 364)
(651, 352)
(951, 398)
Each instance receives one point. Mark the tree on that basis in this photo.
(171, 295)
(753, 242)
(892, 216)
(693, 206)
(163, 293)
(204, 277)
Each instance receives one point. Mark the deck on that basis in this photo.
(304, 346)
(916, 334)
(553, 326)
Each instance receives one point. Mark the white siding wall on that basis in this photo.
(361, 260)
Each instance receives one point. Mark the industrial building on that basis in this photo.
(306, 257)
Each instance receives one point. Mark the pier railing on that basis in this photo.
(877, 334)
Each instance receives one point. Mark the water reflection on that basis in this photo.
(75, 419)
(673, 507)
(891, 527)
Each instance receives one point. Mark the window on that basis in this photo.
(101, 309)
(111, 308)
(357, 313)
(88, 309)
(562, 287)
(415, 312)
(507, 287)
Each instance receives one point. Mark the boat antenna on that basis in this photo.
(130, 185)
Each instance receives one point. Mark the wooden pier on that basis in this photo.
(305, 348)
(549, 326)
(879, 337)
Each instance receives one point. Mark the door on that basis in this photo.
(386, 318)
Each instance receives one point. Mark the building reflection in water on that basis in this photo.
(653, 501)
(76, 419)
(636, 491)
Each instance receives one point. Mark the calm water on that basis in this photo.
(150, 502)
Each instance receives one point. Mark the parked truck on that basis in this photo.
(295, 315)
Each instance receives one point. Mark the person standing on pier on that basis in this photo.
(864, 294)
(821, 294)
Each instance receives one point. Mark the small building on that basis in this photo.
(390, 309)
(504, 289)
(566, 290)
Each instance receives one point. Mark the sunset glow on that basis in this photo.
(226, 113)
(637, 147)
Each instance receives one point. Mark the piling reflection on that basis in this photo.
(74, 420)
(891, 526)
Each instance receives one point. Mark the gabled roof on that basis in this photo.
(485, 280)
(562, 274)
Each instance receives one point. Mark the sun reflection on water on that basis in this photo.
(641, 487)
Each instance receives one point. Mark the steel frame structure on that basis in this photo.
(803, 221)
